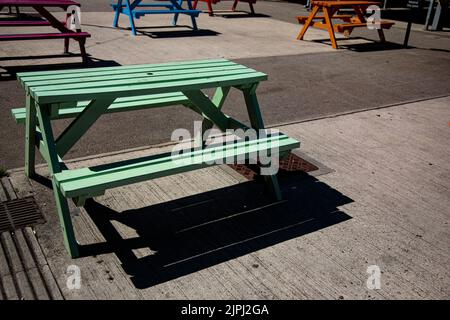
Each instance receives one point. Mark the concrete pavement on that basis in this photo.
(307, 79)
(210, 234)
(384, 203)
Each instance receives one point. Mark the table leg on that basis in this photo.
(308, 23)
(203, 105)
(210, 110)
(252, 10)
(43, 113)
(130, 15)
(218, 100)
(257, 123)
(177, 5)
(381, 35)
(326, 12)
(84, 55)
(78, 127)
(360, 14)
(117, 14)
(210, 8)
(235, 3)
(194, 22)
(30, 136)
(66, 40)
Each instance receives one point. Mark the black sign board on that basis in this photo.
(414, 4)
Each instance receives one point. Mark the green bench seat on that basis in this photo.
(68, 110)
(86, 182)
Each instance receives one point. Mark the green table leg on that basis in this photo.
(30, 136)
(213, 115)
(43, 113)
(207, 108)
(81, 124)
(218, 100)
(257, 122)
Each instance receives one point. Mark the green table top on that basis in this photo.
(134, 80)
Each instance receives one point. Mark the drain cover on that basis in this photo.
(291, 163)
(19, 213)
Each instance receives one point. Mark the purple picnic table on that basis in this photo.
(47, 19)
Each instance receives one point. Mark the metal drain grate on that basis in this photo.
(291, 163)
(19, 213)
(295, 163)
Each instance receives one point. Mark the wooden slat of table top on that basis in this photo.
(350, 3)
(46, 3)
(23, 23)
(42, 36)
(147, 88)
(128, 77)
(24, 76)
(86, 84)
(28, 77)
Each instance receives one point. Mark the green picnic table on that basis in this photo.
(86, 94)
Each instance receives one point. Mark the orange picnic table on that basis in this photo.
(349, 21)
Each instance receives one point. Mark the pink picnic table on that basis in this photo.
(47, 19)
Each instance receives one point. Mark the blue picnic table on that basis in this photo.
(133, 10)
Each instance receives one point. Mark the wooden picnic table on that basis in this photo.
(86, 94)
(233, 7)
(131, 9)
(330, 12)
(40, 6)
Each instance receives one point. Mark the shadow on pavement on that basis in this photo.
(369, 45)
(169, 31)
(9, 72)
(176, 33)
(196, 232)
(373, 46)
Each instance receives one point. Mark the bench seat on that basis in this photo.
(345, 17)
(26, 23)
(344, 4)
(67, 110)
(85, 182)
(350, 26)
(140, 13)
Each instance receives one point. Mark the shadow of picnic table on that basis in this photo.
(199, 231)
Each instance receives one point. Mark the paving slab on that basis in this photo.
(24, 272)
(211, 234)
